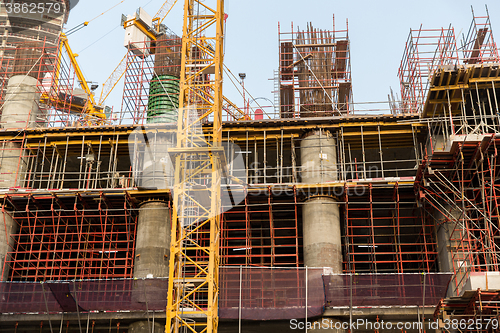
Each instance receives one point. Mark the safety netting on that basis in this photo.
(373, 290)
(270, 293)
(83, 296)
(250, 293)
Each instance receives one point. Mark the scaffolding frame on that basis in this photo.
(460, 162)
(315, 72)
(478, 45)
(465, 198)
(264, 230)
(60, 101)
(73, 158)
(63, 237)
(429, 51)
(385, 231)
(480, 307)
(426, 50)
(142, 67)
(269, 219)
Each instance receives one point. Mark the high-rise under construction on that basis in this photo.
(331, 218)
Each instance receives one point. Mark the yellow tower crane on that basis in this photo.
(193, 290)
(151, 31)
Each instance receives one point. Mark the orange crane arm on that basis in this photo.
(83, 83)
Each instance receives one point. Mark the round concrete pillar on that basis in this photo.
(20, 109)
(157, 167)
(320, 213)
(13, 165)
(322, 240)
(447, 239)
(152, 250)
(318, 151)
(447, 218)
(8, 226)
(152, 247)
(145, 327)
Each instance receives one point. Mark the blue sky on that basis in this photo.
(378, 31)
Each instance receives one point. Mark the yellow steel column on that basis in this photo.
(193, 293)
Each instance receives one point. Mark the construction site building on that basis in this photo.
(388, 217)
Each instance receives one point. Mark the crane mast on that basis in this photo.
(199, 162)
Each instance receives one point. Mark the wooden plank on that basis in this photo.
(299, 46)
(300, 60)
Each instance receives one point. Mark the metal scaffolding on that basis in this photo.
(56, 96)
(477, 310)
(387, 232)
(426, 51)
(71, 236)
(416, 190)
(315, 73)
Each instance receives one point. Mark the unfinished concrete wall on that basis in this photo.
(451, 256)
(8, 226)
(447, 219)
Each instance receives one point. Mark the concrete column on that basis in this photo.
(152, 251)
(322, 239)
(318, 154)
(152, 247)
(321, 233)
(20, 110)
(320, 213)
(21, 102)
(157, 169)
(13, 165)
(145, 327)
(445, 229)
(447, 234)
(8, 226)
